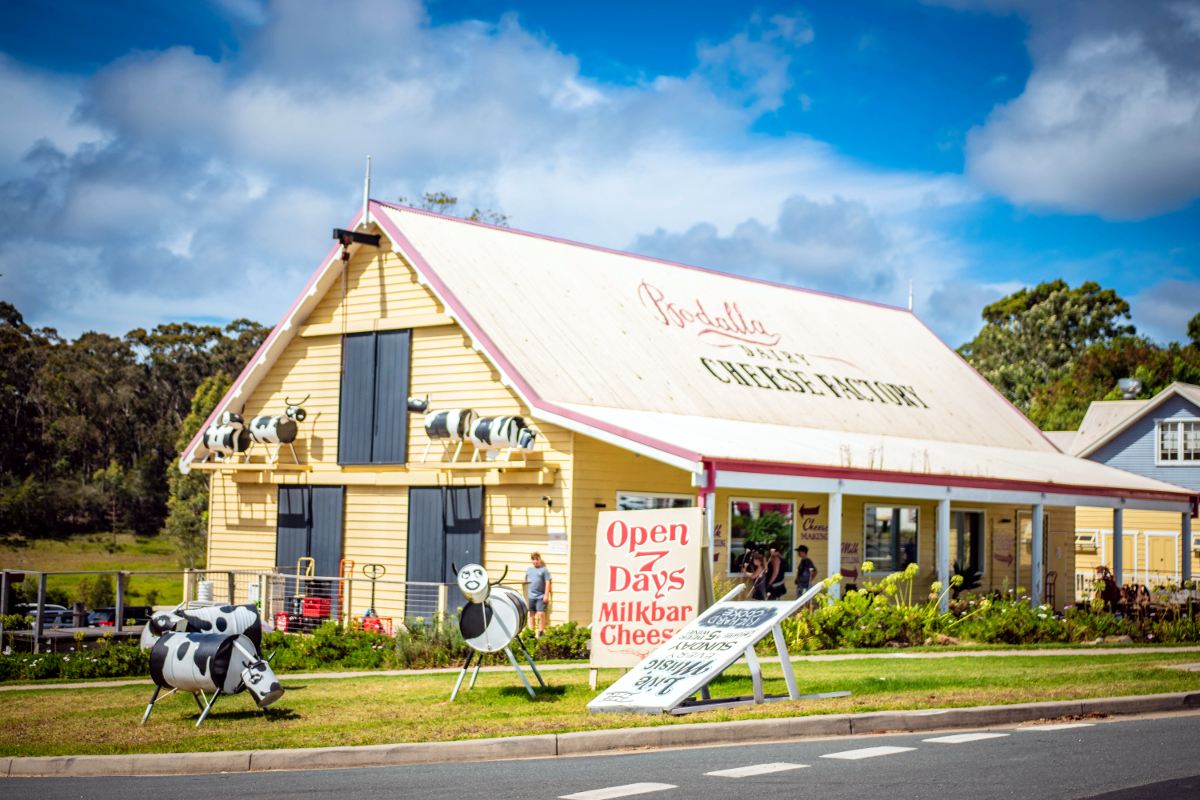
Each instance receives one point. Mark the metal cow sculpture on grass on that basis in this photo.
(242, 619)
(210, 663)
(492, 618)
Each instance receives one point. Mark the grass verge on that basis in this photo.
(87, 552)
(377, 710)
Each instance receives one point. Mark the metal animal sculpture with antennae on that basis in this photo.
(279, 429)
(492, 618)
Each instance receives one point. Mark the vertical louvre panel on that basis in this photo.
(291, 533)
(464, 537)
(356, 415)
(390, 441)
(325, 542)
(426, 549)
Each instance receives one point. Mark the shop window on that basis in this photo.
(890, 537)
(968, 531)
(1178, 441)
(638, 501)
(754, 524)
(373, 412)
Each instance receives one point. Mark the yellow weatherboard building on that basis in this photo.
(808, 419)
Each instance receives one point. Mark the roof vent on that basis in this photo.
(1130, 388)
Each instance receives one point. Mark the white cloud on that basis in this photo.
(207, 188)
(1109, 121)
(1162, 311)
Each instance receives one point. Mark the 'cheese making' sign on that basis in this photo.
(648, 577)
(696, 655)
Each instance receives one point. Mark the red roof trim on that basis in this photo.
(227, 399)
(819, 471)
(478, 334)
(639, 256)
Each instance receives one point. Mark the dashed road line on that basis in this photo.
(611, 792)
(868, 752)
(963, 738)
(1061, 726)
(756, 769)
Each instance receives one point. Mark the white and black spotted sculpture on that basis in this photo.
(449, 425)
(497, 433)
(213, 664)
(492, 618)
(243, 619)
(226, 436)
(279, 430)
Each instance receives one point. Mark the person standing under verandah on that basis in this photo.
(776, 575)
(806, 571)
(537, 589)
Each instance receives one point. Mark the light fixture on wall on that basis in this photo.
(549, 501)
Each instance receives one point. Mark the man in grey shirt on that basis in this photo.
(538, 583)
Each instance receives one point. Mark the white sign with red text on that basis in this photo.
(648, 581)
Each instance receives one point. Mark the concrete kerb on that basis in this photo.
(590, 742)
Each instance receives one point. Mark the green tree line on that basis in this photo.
(1053, 349)
(93, 425)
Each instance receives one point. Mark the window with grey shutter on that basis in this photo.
(373, 416)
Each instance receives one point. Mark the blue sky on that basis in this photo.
(177, 161)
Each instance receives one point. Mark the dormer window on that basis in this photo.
(1179, 441)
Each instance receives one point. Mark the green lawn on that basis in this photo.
(375, 710)
(96, 552)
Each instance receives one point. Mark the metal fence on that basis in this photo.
(1085, 581)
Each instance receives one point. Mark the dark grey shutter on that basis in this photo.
(325, 541)
(291, 528)
(390, 441)
(426, 550)
(356, 423)
(463, 516)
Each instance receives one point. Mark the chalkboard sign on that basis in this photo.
(695, 655)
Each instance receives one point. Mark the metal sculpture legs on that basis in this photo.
(512, 659)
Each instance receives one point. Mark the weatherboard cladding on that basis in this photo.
(1135, 448)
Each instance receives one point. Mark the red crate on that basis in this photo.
(317, 607)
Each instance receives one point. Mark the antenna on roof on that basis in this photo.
(910, 295)
(366, 212)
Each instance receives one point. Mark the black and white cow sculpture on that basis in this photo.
(227, 435)
(216, 663)
(279, 430)
(243, 619)
(492, 618)
(450, 425)
(496, 433)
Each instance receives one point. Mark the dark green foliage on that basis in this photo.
(106, 660)
(968, 579)
(1034, 336)
(91, 425)
(568, 641)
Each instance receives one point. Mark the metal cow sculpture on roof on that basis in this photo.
(492, 618)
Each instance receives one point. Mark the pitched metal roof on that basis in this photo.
(1106, 419)
(691, 365)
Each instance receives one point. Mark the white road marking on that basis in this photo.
(867, 752)
(1062, 726)
(756, 769)
(618, 791)
(963, 738)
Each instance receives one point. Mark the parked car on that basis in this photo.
(107, 617)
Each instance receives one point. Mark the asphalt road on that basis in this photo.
(1150, 757)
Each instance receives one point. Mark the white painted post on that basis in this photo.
(1118, 566)
(1037, 570)
(943, 551)
(1185, 555)
(833, 559)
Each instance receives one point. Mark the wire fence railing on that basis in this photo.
(288, 598)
